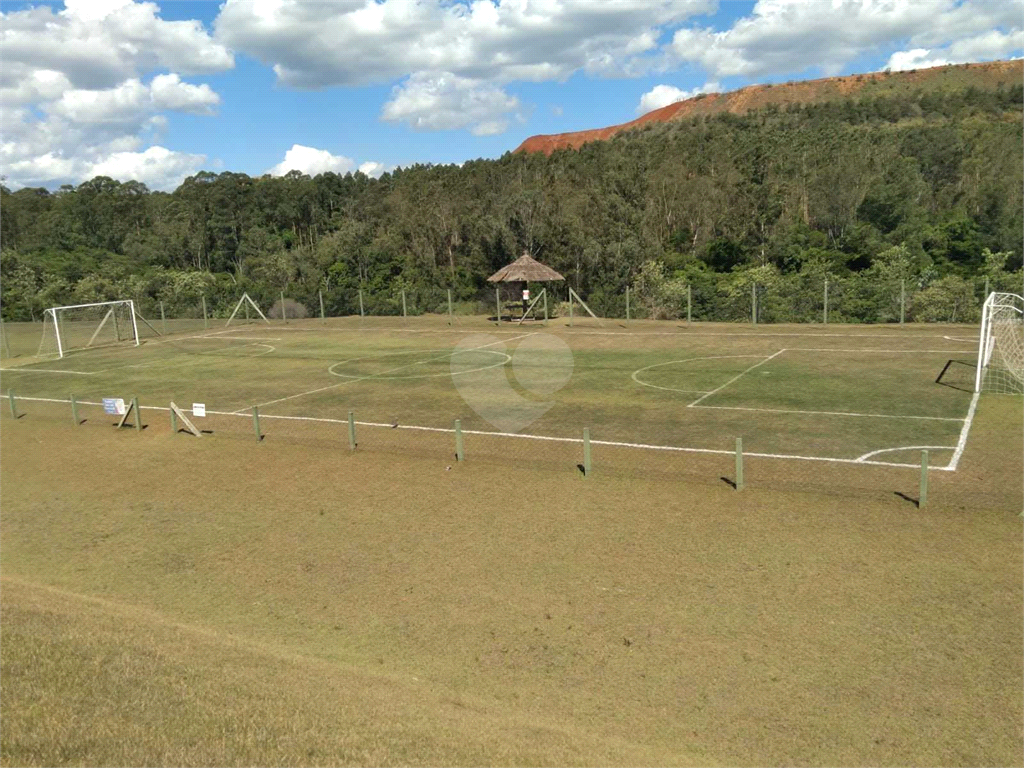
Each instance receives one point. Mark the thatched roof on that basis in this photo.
(525, 269)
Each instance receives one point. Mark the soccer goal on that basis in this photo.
(84, 326)
(1001, 345)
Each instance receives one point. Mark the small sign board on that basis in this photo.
(198, 409)
(114, 406)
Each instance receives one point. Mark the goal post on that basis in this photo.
(1000, 365)
(85, 326)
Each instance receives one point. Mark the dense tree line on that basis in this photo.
(925, 187)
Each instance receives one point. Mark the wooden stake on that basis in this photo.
(460, 451)
(256, 422)
(351, 430)
(922, 499)
(586, 451)
(74, 411)
(739, 463)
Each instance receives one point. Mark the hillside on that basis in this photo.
(983, 76)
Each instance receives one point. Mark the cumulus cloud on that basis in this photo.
(663, 95)
(915, 59)
(312, 161)
(75, 103)
(794, 35)
(444, 101)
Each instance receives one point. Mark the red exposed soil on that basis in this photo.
(804, 92)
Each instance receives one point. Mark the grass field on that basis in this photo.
(218, 601)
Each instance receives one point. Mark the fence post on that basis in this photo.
(586, 451)
(138, 414)
(206, 322)
(460, 452)
(351, 430)
(739, 463)
(903, 300)
(323, 318)
(163, 319)
(10, 398)
(922, 499)
(545, 306)
(689, 304)
(983, 298)
(826, 301)
(753, 304)
(627, 303)
(497, 302)
(361, 312)
(570, 307)
(404, 314)
(284, 312)
(3, 333)
(256, 422)
(74, 410)
(450, 319)
(174, 421)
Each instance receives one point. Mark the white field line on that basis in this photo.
(384, 373)
(735, 378)
(545, 438)
(824, 413)
(687, 360)
(903, 351)
(48, 370)
(962, 442)
(861, 459)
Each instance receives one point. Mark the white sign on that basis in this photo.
(198, 409)
(113, 405)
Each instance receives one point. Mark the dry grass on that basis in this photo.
(168, 600)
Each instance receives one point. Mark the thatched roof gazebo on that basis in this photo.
(525, 269)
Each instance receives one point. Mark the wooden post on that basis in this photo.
(361, 312)
(284, 312)
(163, 320)
(174, 422)
(739, 463)
(586, 451)
(753, 304)
(351, 430)
(903, 300)
(323, 317)
(922, 499)
(689, 304)
(497, 301)
(405, 315)
(74, 411)
(826, 301)
(627, 303)
(10, 398)
(450, 318)
(138, 414)
(256, 422)
(206, 321)
(460, 451)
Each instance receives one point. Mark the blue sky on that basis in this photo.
(156, 91)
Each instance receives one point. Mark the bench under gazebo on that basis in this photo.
(524, 270)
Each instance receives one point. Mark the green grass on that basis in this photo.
(628, 384)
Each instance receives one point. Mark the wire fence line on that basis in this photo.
(906, 483)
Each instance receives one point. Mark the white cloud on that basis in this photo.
(312, 161)
(782, 36)
(915, 59)
(663, 95)
(74, 101)
(556, 110)
(445, 101)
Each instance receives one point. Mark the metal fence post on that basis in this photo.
(922, 499)
(10, 398)
(826, 301)
(3, 333)
(739, 463)
(74, 410)
(460, 452)
(450, 318)
(627, 303)
(206, 321)
(405, 315)
(903, 300)
(753, 303)
(284, 312)
(361, 312)
(986, 291)
(323, 318)
(570, 307)
(689, 304)
(138, 414)
(545, 306)
(163, 319)
(351, 430)
(586, 451)
(256, 422)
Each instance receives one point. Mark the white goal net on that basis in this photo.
(1001, 346)
(84, 326)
